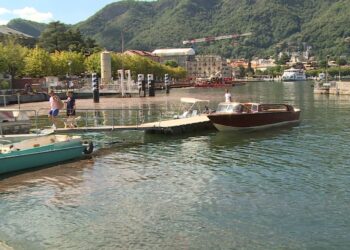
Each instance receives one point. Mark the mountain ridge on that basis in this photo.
(277, 25)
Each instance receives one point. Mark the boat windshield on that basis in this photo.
(230, 107)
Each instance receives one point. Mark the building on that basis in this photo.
(263, 64)
(197, 66)
(208, 65)
(143, 54)
(181, 55)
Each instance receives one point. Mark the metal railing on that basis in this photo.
(133, 117)
(6, 97)
(103, 117)
(20, 119)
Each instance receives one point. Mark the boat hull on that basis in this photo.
(244, 121)
(40, 156)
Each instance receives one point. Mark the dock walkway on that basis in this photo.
(173, 126)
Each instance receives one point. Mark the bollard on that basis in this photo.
(151, 85)
(166, 83)
(95, 88)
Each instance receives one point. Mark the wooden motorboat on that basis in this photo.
(237, 116)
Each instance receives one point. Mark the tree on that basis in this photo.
(37, 63)
(53, 38)
(323, 64)
(299, 65)
(341, 61)
(93, 63)
(67, 63)
(283, 59)
(172, 64)
(59, 37)
(13, 55)
(241, 71)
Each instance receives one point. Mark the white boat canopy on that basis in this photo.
(174, 52)
(192, 100)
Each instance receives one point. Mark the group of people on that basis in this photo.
(56, 105)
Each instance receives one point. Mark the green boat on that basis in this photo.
(41, 151)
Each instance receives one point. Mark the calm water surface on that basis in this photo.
(285, 188)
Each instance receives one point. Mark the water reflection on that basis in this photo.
(240, 138)
(67, 174)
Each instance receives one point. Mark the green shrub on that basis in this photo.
(4, 84)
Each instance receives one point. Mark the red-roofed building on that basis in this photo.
(142, 53)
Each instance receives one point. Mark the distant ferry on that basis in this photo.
(293, 75)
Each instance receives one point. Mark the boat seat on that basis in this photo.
(194, 112)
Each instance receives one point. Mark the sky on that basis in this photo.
(45, 11)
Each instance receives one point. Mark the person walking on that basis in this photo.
(55, 105)
(70, 105)
(228, 97)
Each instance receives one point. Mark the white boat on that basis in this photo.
(12, 138)
(293, 75)
(192, 107)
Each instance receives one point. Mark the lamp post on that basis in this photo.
(69, 73)
(327, 68)
(339, 68)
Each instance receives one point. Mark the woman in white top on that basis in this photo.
(55, 106)
(228, 97)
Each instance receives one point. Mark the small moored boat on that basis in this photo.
(41, 151)
(14, 121)
(237, 116)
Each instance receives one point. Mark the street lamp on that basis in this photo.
(69, 73)
(327, 68)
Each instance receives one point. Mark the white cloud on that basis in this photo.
(4, 11)
(3, 22)
(32, 14)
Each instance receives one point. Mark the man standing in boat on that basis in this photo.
(228, 97)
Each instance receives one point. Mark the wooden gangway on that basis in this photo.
(172, 126)
(101, 120)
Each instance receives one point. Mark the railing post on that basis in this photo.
(86, 118)
(113, 118)
(36, 120)
(19, 100)
(160, 120)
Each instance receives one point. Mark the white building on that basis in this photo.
(180, 55)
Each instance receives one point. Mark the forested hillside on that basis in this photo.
(322, 24)
(28, 27)
(277, 25)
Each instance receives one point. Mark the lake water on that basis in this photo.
(285, 188)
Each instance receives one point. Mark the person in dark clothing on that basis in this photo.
(70, 105)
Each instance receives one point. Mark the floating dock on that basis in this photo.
(174, 126)
(335, 88)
